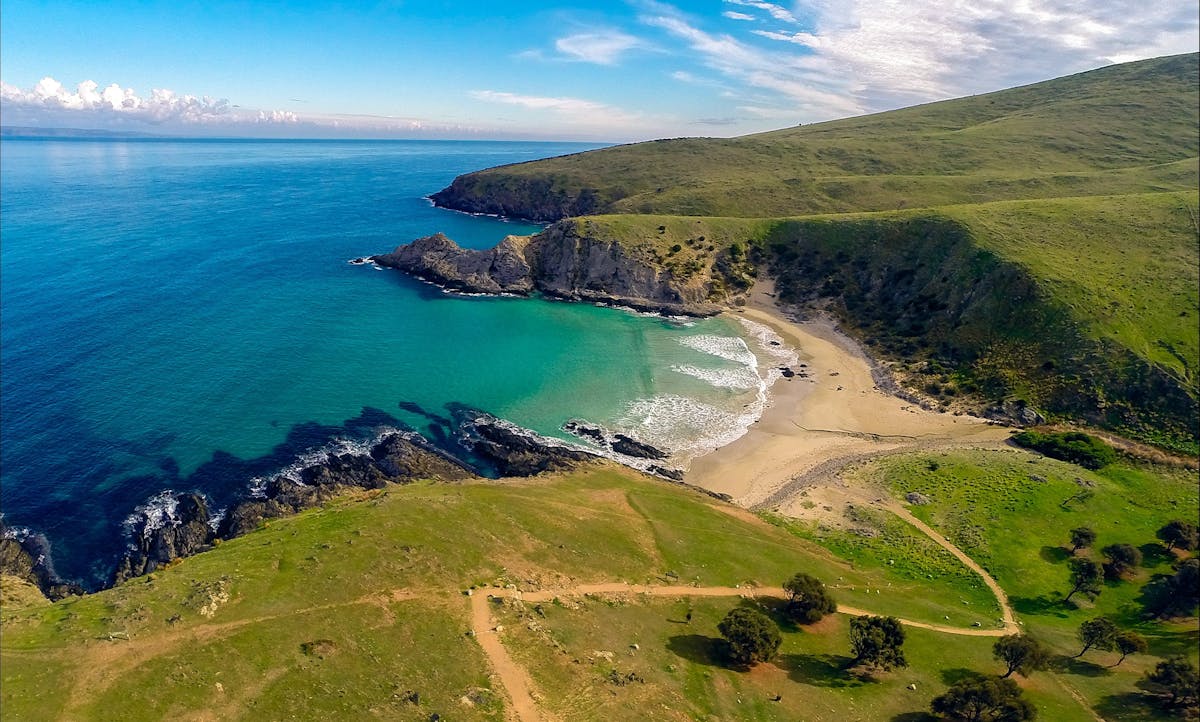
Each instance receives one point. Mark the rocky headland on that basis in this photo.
(565, 262)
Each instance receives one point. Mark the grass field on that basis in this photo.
(380, 579)
(685, 677)
(1012, 511)
(347, 610)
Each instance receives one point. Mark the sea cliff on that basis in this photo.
(571, 262)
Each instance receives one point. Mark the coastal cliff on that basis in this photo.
(578, 260)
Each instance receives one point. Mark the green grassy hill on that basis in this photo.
(1128, 128)
(357, 610)
(1035, 246)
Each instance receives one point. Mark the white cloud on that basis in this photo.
(585, 112)
(898, 52)
(775, 11)
(600, 47)
(736, 15)
(87, 99)
(804, 92)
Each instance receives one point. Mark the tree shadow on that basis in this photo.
(954, 675)
(775, 608)
(698, 649)
(1129, 705)
(820, 670)
(1154, 554)
(1081, 667)
(1055, 555)
(915, 717)
(1052, 605)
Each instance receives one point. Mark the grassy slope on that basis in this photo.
(1118, 130)
(995, 290)
(1006, 510)
(381, 578)
(1142, 285)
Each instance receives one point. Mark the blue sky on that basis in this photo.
(612, 71)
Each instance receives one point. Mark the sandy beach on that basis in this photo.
(834, 415)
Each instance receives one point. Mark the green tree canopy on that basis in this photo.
(983, 699)
(1081, 538)
(1021, 653)
(877, 642)
(1180, 534)
(1176, 683)
(1129, 642)
(1176, 595)
(751, 635)
(1086, 577)
(1100, 633)
(808, 599)
(1121, 559)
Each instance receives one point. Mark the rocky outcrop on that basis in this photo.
(565, 261)
(26, 556)
(617, 442)
(513, 451)
(395, 459)
(174, 527)
(436, 258)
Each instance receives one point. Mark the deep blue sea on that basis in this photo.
(181, 315)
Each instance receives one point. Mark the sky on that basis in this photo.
(591, 71)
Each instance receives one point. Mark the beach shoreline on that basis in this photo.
(834, 412)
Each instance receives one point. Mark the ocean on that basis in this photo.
(182, 315)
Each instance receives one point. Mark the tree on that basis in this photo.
(1081, 538)
(1129, 642)
(1180, 534)
(1100, 633)
(1021, 653)
(1122, 558)
(1175, 680)
(980, 699)
(1085, 577)
(877, 641)
(751, 635)
(808, 600)
(1176, 595)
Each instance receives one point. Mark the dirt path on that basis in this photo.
(513, 676)
(681, 590)
(1006, 610)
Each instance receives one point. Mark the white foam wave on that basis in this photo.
(730, 348)
(687, 427)
(770, 342)
(743, 378)
(257, 487)
(158, 511)
(17, 533)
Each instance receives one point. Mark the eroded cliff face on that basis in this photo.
(561, 262)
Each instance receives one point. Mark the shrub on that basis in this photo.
(751, 635)
(983, 698)
(1021, 653)
(877, 641)
(1073, 446)
(1122, 558)
(808, 599)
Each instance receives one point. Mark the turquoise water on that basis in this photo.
(182, 315)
